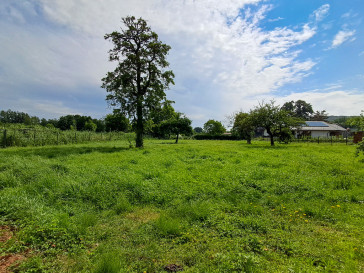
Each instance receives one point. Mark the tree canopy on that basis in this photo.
(320, 115)
(139, 81)
(214, 127)
(244, 126)
(299, 109)
(273, 119)
(178, 124)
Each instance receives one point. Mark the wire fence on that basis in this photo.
(16, 137)
(318, 140)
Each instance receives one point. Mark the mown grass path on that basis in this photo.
(199, 206)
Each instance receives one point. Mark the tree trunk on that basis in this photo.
(271, 136)
(140, 127)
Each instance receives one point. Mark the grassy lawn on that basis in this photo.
(199, 206)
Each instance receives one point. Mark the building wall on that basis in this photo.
(320, 134)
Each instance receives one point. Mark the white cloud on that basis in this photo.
(321, 12)
(220, 54)
(341, 37)
(335, 102)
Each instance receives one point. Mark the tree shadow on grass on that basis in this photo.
(63, 151)
(265, 147)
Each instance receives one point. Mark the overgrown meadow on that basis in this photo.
(199, 206)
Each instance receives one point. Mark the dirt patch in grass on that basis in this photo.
(143, 216)
(6, 233)
(11, 260)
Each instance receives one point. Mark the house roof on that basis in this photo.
(321, 126)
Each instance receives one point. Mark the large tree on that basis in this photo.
(273, 119)
(140, 79)
(298, 109)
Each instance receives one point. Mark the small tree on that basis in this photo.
(273, 119)
(213, 127)
(140, 79)
(177, 125)
(243, 126)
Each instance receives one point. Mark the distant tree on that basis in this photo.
(357, 122)
(244, 126)
(10, 116)
(198, 130)
(67, 122)
(116, 122)
(157, 116)
(140, 79)
(213, 127)
(320, 116)
(273, 119)
(299, 109)
(177, 125)
(90, 126)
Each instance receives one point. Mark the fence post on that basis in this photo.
(4, 141)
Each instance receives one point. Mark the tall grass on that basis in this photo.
(203, 206)
(41, 136)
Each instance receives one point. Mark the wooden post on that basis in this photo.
(4, 140)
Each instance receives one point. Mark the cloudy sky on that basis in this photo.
(227, 55)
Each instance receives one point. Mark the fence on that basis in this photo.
(34, 137)
(331, 140)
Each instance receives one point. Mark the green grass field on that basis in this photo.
(199, 206)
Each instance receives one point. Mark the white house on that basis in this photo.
(320, 129)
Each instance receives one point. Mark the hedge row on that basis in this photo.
(215, 137)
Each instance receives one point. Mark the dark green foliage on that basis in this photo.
(216, 137)
(299, 109)
(198, 130)
(357, 122)
(273, 119)
(116, 122)
(360, 148)
(243, 126)
(213, 127)
(178, 124)
(138, 83)
(10, 116)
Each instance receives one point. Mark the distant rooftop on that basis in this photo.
(320, 126)
(317, 124)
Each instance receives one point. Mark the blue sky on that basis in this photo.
(227, 55)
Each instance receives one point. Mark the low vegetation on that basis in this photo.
(201, 206)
